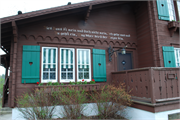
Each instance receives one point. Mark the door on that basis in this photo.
(124, 61)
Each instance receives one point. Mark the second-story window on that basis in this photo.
(178, 5)
(171, 10)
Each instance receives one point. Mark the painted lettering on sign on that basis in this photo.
(87, 33)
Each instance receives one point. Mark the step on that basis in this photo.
(5, 112)
(6, 109)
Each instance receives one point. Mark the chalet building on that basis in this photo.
(135, 42)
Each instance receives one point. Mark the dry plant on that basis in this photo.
(111, 101)
(72, 101)
(39, 105)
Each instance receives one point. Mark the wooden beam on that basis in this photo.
(15, 31)
(88, 13)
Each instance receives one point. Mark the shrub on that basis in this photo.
(40, 84)
(72, 101)
(72, 83)
(92, 82)
(36, 106)
(79, 83)
(56, 83)
(111, 101)
(84, 83)
(49, 83)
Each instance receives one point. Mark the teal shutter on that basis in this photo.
(30, 64)
(162, 7)
(169, 57)
(99, 65)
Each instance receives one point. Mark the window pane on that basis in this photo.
(80, 75)
(86, 75)
(52, 76)
(52, 69)
(171, 10)
(63, 75)
(178, 3)
(70, 75)
(70, 69)
(86, 69)
(177, 56)
(45, 75)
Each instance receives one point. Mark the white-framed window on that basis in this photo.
(49, 64)
(177, 56)
(83, 65)
(171, 10)
(178, 5)
(67, 66)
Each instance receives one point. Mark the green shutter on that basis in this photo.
(30, 73)
(169, 57)
(163, 13)
(99, 71)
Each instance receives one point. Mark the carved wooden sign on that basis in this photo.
(86, 33)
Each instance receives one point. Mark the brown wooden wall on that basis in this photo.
(145, 51)
(161, 34)
(116, 19)
(137, 19)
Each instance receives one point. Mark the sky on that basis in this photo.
(11, 7)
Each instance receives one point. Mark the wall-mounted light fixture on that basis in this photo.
(111, 52)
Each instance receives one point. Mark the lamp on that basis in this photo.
(111, 52)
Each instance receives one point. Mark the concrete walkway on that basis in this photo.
(6, 117)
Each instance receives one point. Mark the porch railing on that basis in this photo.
(153, 84)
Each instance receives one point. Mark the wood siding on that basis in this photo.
(115, 19)
(138, 19)
(145, 51)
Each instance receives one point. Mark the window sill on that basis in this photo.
(173, 26)
(86, 87)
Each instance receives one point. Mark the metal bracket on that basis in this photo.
(111, 52)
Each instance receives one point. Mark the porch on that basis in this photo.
(151, 86)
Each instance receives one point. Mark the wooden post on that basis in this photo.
(7, 65)
(153, 101)
(13, 65)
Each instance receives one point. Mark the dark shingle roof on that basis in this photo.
(53, 10)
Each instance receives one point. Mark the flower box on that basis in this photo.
(173, 24)
(86, 87)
